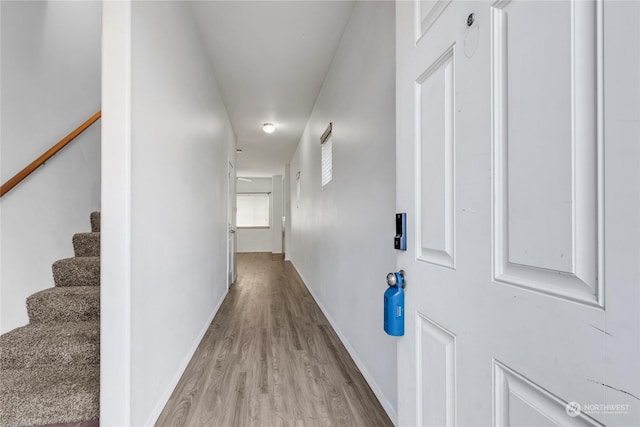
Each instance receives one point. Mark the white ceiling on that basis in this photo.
(270, 59)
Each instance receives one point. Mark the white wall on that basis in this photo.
(50, 80)
(171, 188)
(255, 239)
(342, 235)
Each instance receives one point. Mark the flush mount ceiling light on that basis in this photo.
(268, 127)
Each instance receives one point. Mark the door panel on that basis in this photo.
(436, 374)
(509, 151)
(535, 142)
(519, 402)
(435, 142)
(546, 143)
(427, 12)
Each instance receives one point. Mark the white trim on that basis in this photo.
(388, 407)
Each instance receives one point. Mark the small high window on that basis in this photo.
(327, 155)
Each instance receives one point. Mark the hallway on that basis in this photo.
(271, 358)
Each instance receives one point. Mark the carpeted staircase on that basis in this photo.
(50, 368)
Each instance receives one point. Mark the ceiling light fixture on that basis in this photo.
(268, 127)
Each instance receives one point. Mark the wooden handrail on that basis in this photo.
(47, 155)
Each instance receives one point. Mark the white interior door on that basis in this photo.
(517, 163)
(231, 219)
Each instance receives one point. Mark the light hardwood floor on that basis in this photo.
(270, 358)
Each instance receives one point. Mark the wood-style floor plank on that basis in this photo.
(270, 358)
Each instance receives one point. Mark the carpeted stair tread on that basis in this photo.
(77, 271)
(49, 394)
(51, 343)
(86, 244)
(50, 368)
(64, 304)
(95, 221)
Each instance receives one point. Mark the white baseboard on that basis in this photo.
(388, 407)
(164, 398)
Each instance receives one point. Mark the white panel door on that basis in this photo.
(231, 222)
(518, 127)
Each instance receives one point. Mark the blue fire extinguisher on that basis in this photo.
(394, 304)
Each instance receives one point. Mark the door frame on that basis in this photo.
(231, 229)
